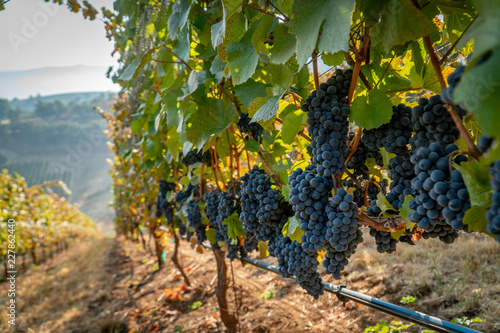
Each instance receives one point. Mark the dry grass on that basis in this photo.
(451, 281)
(56, 296)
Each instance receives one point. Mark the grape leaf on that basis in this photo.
(479, 91)
(292, 124)
(242, 60)
(208, 119)
(268, 108)
(284, 44)
(477, 179)
(250, 90)
(405, 212)
(285, 190)
(210, 233)
(292, 229)
(334, 59)
(254, 147)
(261, 33)
(234, 226)
(128, 72)
(475, 218)
(179, 16)
(393, 27)
(263, 251)
(309, 15)
(218, 30)
(371, 111)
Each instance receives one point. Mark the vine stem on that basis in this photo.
(355, 145)
(434, 61)
(315, 69)
(353, 178)
(181, 60)
(277, 179)
(279, 11)
(473, 150)
(201, 180)
(259, 10)
(218, 169)
(202, 13)
(213, 170)
(368, 221)
(362, 76)
(231, 170)
(237, 157)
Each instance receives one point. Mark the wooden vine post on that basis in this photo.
(229, 320)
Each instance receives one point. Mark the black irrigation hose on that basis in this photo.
(342, 293)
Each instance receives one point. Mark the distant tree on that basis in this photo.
(49, 109)
(4, 108)
(14, 115)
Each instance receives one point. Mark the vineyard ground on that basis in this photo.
(112, 286)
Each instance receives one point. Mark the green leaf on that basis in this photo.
(208, 119)
(261, 33)
(129, 72)
(235, 29)
(405, 212)
(172, 109)
(242, 61)
(284, 44)
(268, 109)
(192, 84)
(210, 233)
(135, 126)
(475, 218)
(418, 57)
(309, 15)
(334, 59)
(254, 147)
(179, 16)
(217, 69)
(292, 229)
(234, 226)
(292, 124)
(250, 90)
(371, 111)
(218, 29)
(285, 190)
(394, 28)
(477, 179)
(479, 91)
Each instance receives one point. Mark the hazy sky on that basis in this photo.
(35, 34)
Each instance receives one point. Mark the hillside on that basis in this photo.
(29, 104)
(54, 80)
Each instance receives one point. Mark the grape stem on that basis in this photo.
(355, 145)
(202, 13)
(279, 11)
(315, 69)
(260, 10)
(473, 150)
(434, 61)
(380, 225)
(266, 166)
(180, 59)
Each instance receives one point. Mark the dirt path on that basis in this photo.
(114, 286)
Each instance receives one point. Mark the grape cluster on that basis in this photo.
(195, 156)
(261, 210)
(293, 260)
(432, 123)
(162, 206)
(309, 197)
(226, 207)
(442, 195)
(194, 218)
(443, 231)
(327, 112)
(401, 172)
(182, 196)
(211, 199)
(384, 241)
(245, 126)
(493, 214)
(393, 136)
(343, 234)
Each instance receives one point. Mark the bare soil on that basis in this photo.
(114, 286)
